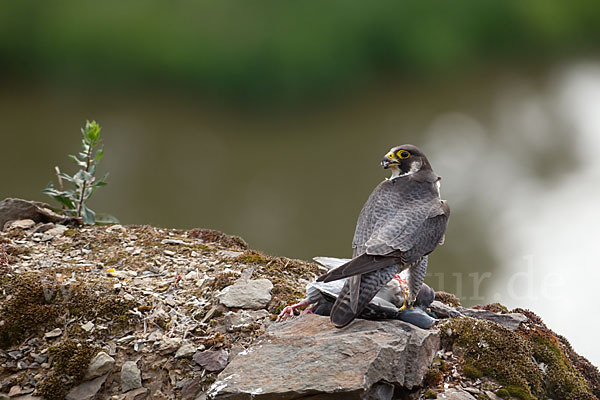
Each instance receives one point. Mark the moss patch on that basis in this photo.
(530, 363)
(447, 298)
(496, 352)
(212, 236)
(26, 311)
(70, 360)
(33, 306)
(494, 307)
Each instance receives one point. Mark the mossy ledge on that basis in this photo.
(531, 363)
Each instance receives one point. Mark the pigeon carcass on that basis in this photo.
(321, 296)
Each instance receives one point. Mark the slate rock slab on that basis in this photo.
(308, 356)
(212, 360)
(87, 390)
(510, 320)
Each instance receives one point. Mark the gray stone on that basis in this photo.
(186, 350)
(347, 362)
(455, 394)
(168, 346)
(53, 333)
(131, 377)
(253, 294)
(212, 360)
(56, 231)
(136, 394)
(229, 253)
(88, 326)
(510, 321)
(155, 335)
(243, 319)
(43, 227)
(87, 390)
(18, 209)
(101, 364)
(443, 310)
(492, 395)
(190, 388)
(21, 224)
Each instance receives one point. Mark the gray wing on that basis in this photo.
(396, 216)
(414, 233)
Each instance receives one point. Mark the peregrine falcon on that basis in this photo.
(403, 221)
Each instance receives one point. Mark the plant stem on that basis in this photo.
(83, 187)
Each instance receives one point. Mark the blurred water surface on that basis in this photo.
(517, 152)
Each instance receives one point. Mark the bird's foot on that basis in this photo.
(405, 304)
(288, 311)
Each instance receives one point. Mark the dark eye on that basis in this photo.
(403, 154)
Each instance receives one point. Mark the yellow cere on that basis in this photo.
(391, 155)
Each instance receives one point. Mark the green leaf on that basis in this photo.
(82, 176)
(62, 197)
(89, 217)
(66, 177)
(92, 169)
(88, 192)
(99, 154)
(92, 131)
(78, 161)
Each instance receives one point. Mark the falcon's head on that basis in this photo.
(404, 160)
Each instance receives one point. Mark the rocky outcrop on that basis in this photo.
(308, 355)
(130, 313)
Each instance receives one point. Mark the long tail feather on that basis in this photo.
(370, 283)
(360, 265)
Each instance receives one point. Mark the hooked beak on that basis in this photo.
(389, 160)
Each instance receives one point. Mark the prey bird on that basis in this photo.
(403, 221)
(321, 296)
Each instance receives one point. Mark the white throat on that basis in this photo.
(414, 167)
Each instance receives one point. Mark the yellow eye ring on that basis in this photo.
(402, 154)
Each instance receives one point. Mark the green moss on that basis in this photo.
(71, 233)
(53, 387)
(563, 381)
(252, 257)
(430, 394)
(496, 352)
(520, 392)
(471, 371)
(26, 312)
(512, 358)
(503, 393)
(71, 359)
(433, 377)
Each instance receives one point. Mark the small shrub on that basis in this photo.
(74, 200)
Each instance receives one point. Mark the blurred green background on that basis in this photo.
(268, 120)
